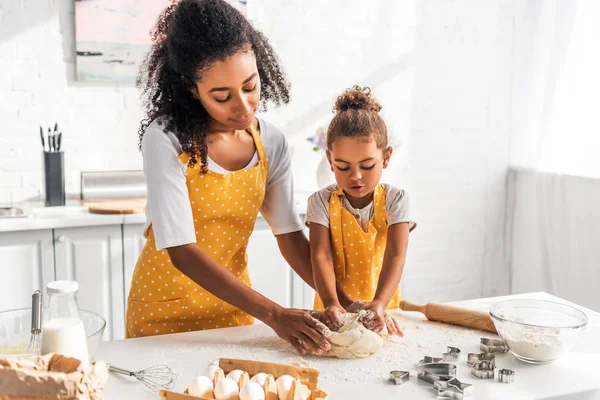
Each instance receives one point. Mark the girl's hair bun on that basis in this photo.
(356, 98)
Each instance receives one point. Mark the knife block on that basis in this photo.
(54, 178)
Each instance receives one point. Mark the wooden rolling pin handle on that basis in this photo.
(453, 315)
(408, 306)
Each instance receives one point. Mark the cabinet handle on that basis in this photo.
(60, 239)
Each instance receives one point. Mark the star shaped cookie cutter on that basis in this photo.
(453, 389)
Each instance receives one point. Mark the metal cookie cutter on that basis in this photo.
(399, 377)
(430, 360)
(451, 354)
(453, 389)
(473, 358)
(437, 372)
(506, 375)
(493, 345)
(483, 370)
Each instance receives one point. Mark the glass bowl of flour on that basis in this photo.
(15, 331)
(538, 331)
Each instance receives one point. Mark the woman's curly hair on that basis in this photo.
(357, 115)
(188, 37)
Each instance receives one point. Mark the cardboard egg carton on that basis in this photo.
(52, 376)
(304, 386)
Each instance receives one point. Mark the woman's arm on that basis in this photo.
(295, 326)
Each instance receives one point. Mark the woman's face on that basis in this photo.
(230, 91)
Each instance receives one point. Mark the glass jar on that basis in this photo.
(63, 332)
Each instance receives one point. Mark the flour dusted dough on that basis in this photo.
(353, 340)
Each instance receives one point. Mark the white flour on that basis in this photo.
(534, 343)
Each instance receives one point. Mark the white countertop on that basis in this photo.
(575, 376)
(73, 214)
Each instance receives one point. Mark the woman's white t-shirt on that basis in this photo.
(168, 207)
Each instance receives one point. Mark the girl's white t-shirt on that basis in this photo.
(168, 207)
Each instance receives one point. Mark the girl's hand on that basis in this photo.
(355, 306)
(376, 319)
(301, 330)
(392, 326)
(332, 316)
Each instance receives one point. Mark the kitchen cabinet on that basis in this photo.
(270, 274)
(93, 256)
(26, 265)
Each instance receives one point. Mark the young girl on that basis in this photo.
(358, 227)
(210, 167)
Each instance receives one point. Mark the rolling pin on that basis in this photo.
(452, 315)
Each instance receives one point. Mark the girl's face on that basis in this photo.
(357, 164)
(230, 91)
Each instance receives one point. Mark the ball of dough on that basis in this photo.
(201, 386)
(283, 384)
(226, 389)
(259, 378)
(235, 375)
(252, 391)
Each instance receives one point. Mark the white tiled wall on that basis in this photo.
(439, 68)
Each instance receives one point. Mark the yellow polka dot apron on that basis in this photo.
(358, 255)
(224, 206)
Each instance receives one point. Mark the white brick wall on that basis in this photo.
(440, 69)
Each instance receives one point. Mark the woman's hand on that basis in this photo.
(332, 316)
(301, 330)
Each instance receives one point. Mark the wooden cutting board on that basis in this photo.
(116, 206)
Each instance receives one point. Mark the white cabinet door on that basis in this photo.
(26, 265)
(271, 275)
(302, 294)
(133, 243)
(93, 256)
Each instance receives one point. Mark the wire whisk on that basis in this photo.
(155, 378)
(36, 323)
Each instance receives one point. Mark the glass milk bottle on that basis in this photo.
(63, 331)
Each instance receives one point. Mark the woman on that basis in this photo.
(210, 167)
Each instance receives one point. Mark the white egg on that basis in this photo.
(201, 386)
(259, 378)
(283, 384)
(226, 389)
(235, 375)
(252, 391)
(210, 371)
